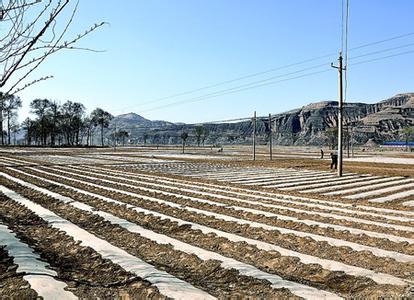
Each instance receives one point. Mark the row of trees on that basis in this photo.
(67, 124)
(54, 123)
(201, 133)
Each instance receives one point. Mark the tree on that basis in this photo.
(206, 132)
(14, 128)
(408, 133)
(331, 135)
(33, 31)
(87, 127)
(40, 107)
(184, 136)
(72, 118)
(199, 131)
(12, 104)
(123, 134)
(28, 125)
(145, 137)
(3, 104)
(101, 118)
(55, 121)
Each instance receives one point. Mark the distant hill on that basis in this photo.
(378, 122)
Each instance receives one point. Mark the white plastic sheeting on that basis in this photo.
(166, 283)
(40, 278)
(327, 264)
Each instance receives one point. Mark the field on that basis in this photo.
(134, 223)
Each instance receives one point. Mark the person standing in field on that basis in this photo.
(321, 153)
(334, 160)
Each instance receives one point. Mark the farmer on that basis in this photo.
(321, 154)
(334, 160)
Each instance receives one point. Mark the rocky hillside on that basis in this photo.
(308, 125)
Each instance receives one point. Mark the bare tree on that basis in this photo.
(32, 30)
(331, 137)
(184, 136)
(206, 133)
(198, 131)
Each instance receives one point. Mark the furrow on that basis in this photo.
(391, 237)
(325, 182)
(308, 259)
(228, 263)
(40, 278)
(167, 284)
(365, 182)
(255, 203)
(370, 187)
(244, 191)
(332, 241)
(265, 196)
(381, 191)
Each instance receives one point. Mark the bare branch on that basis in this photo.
(29, 84)
(32, 43)
(29, 30)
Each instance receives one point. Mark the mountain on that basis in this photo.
(135, 120)
(308, 125)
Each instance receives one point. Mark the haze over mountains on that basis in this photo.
(378, 122)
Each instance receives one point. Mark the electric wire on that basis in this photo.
(266, 71)
(234, 90)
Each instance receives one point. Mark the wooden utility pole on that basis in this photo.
(270, 137)
(254, 136)
(340, 108)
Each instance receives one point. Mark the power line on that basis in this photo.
(382, 51)
(226, 92)
(267, 71)
(250, 86)
(233, 80)
(382, 57)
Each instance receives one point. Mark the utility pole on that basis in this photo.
(340, 108)
(270, 137)
(254, 136)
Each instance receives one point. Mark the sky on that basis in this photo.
(159, 48)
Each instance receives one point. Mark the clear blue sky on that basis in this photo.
(158, 48)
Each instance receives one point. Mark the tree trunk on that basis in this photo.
(8, 128)
(43, 132)
(102, 127)
(1, 127)
(183, 146)
(52, 134)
